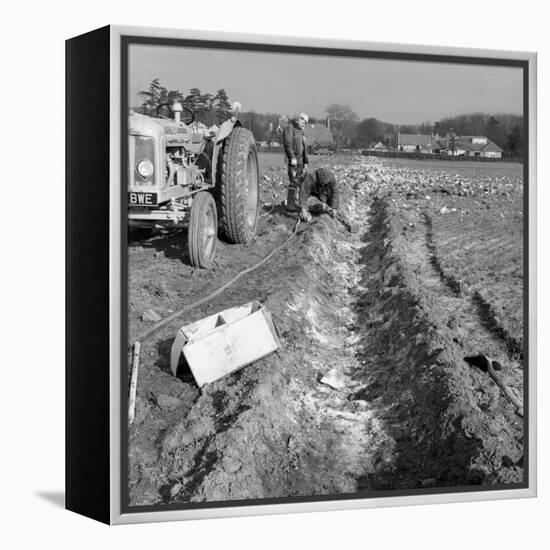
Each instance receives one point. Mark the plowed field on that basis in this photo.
(435, 274)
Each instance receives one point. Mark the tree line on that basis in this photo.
(347, 129)
(208, 108)
(503, 129)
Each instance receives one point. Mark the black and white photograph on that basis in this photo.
(275, 275)
(326, 274)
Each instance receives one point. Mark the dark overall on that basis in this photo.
(295, 148)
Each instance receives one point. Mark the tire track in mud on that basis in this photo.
(489, 319)
(483, 309)
(450, 423)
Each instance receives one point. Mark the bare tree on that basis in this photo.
(343, 121)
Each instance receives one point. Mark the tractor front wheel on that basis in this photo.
(203, 230)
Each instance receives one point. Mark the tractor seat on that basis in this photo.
(197, 138)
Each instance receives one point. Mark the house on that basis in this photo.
(377, 146)
(417, 143)
(492, 150)
(318, 136)
(462, 146)
(471, 146)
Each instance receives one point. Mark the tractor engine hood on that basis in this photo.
(156, 127)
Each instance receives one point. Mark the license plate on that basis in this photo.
(142, 199)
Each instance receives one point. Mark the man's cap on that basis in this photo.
(324, 176)
(304, 116)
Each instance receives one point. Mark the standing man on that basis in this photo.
(294, 143)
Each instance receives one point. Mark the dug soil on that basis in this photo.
(369, 390)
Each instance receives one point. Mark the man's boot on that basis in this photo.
(291, 199)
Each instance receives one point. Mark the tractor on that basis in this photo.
(181, 175)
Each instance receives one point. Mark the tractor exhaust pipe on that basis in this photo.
(177, 109)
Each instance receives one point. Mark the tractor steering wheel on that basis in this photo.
(192, 113)
(159, 107)
(172, 112)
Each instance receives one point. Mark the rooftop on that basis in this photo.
(416, 139)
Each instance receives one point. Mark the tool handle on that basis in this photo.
(507, 391)
(133, 384)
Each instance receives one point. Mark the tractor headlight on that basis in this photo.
(145, 168)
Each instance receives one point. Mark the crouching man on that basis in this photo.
(322, 185)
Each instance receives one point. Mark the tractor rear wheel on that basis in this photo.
(239, 186)
(203, 229)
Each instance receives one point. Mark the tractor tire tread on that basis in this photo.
(232, 199)
(201, 203)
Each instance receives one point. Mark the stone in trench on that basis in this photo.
(231, 464)
(167, 402)
(334, 380)
(444, 210)
(202, 427)
(177, 437)
(353, 228)
(357, 405)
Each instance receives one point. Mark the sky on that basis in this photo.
(401, 92)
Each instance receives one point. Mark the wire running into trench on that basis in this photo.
(145, 334)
